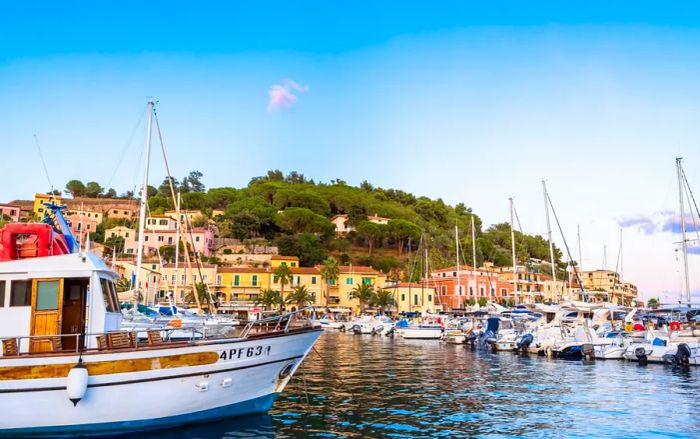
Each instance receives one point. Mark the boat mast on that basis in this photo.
(459, 286)
(512, 245)
(686, 283)
(144, 204)
(549, 238)
(177, 249)
(474, 254)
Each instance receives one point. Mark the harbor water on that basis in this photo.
(373, 386)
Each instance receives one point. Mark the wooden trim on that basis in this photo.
(109, 367)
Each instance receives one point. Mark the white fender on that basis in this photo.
(76, 384)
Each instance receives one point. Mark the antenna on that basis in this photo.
(41, 156)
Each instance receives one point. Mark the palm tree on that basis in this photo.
(269, 298)
(300, 296)
(202, 294)
(330, 272)
(284, 276)
(364, 293)
(383, 299)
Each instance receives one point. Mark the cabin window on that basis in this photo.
(46, 295)
(109, 295)
(21, 293)
(2, 293)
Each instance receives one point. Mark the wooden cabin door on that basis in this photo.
(47, 303)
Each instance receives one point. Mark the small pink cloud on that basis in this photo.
(282, 96)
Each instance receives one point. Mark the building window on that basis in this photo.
(218, 279)
(348, 281)
(196, 239)
(471, 291)
(184, 279)
(160, 238)
(163, 222)
(293, 264)
(172, 279)
(170, 239)
(255, 280)
(367, 280)
(145, 238)
(332, 282)
(430, 298)
(129, 251)
(21, 293)
(313, 280)
(283, 264)
(236, 280)
(481, 291)
(126, 235)
(444, 289)
(298, 280)
(403, 297)
(415, 299)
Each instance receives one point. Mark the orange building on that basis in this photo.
(454, 287)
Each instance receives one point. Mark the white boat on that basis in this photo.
(425, 331)
(454, 336)
(65, 357)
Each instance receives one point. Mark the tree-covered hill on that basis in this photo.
(294, 213)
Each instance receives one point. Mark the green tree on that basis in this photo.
(283, 275)
(330, 271)
(483, 301)
(164, 188)
(364, 293)
(401, 230)
(384, 300)
(300, 296)
(653, 303)
(167, 253)
(306, 246)
(202, 294)
(93, 189)
(75, 188)
(270, 299)
(370, 232)
(245, 225)
(303, 220)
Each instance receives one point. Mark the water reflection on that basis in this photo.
(363, 386)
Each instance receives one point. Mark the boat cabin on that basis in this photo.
(57, 303)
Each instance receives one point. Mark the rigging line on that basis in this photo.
(692, 214)
(566, 245)
(692, 197)
(127, 145)
(187, 220)
(43, 163)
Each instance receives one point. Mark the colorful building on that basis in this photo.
(10, 212)
(241, 285)
(41, 199)
(199, 240)
(606, 285)
(349, 278)
(455, 288)
(413, 298)
(83, 222)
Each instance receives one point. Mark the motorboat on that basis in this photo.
(424, 331)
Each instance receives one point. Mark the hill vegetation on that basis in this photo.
(294, 213)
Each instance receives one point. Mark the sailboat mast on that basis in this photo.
(459, 286)
(512, 246)
(144, 203)
(474, 253)
(686, 281)
(177, 249)
(549, 238)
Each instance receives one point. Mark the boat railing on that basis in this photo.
(106, 341)
(275, 323)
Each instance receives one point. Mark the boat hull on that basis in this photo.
(420, 334)
(193, 383)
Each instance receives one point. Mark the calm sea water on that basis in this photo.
(364, 386)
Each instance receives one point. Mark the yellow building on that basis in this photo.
(602, 285)
(310, 277)
(241, 284)
(349, 278)
(41, 199)
(413, 297)
(290, 261)
(182, 279)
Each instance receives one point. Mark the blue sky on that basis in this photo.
(472, 102)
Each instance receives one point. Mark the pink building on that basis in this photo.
(83, 222)
(10, 211)
(200, 239)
